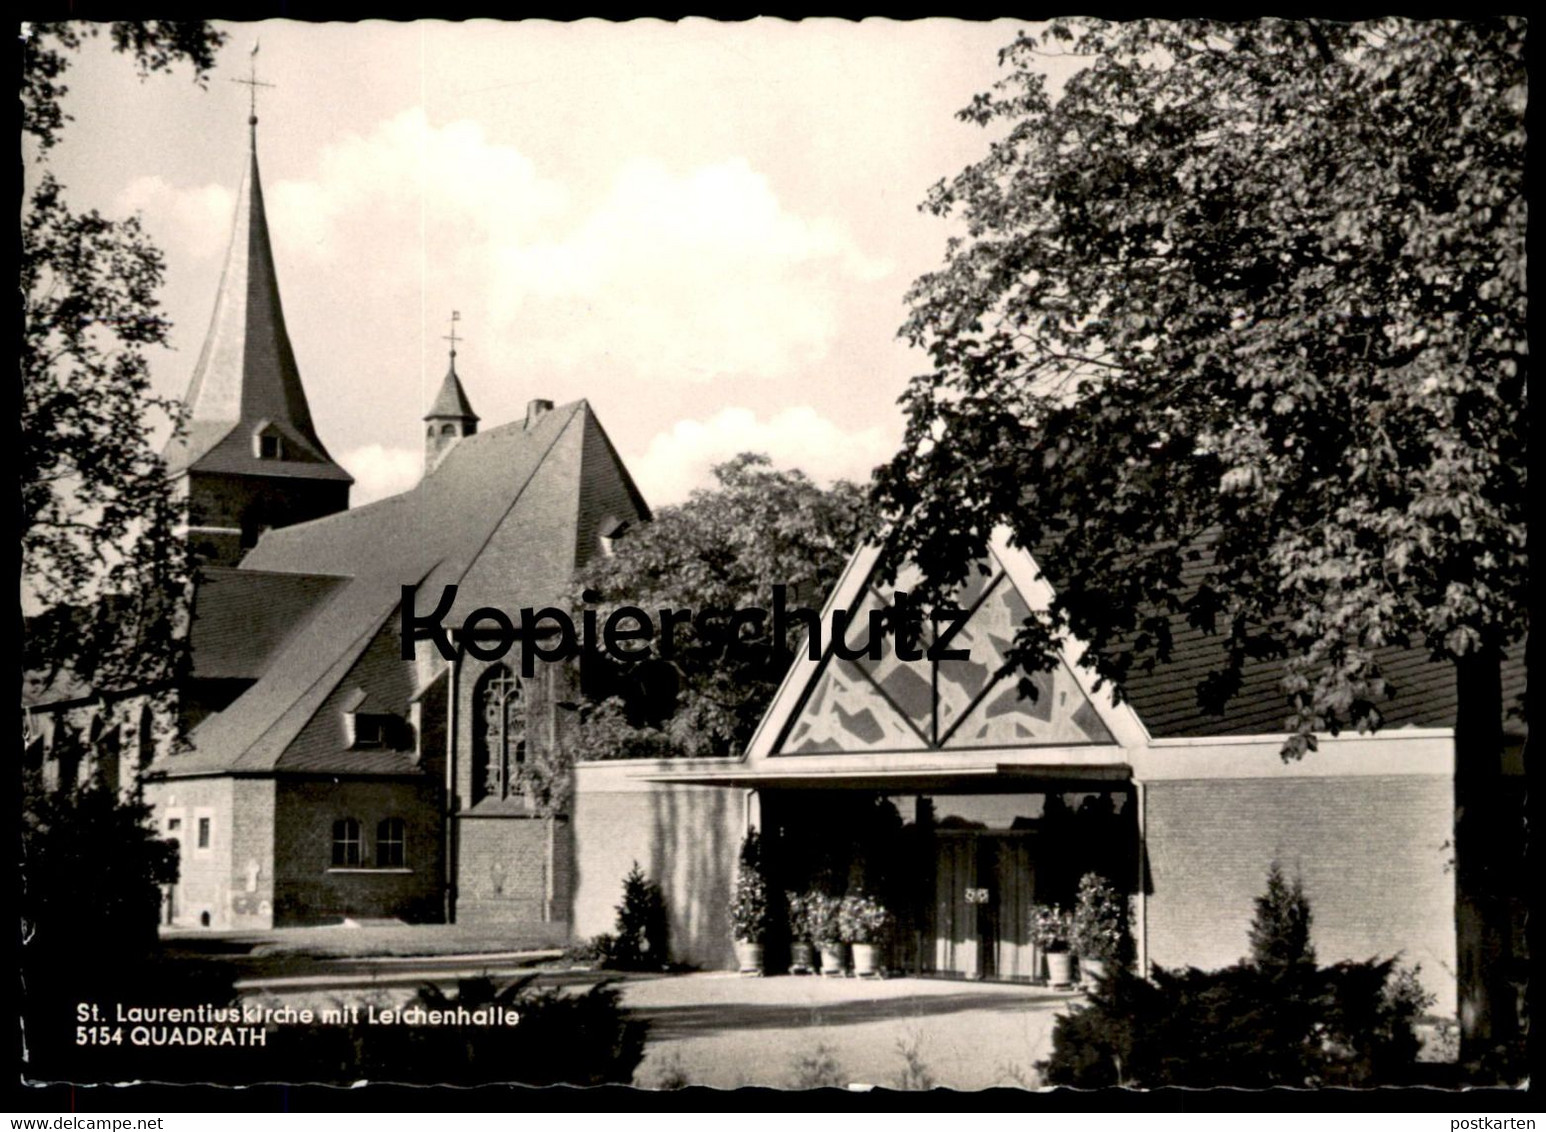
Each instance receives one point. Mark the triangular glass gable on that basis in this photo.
(986, 637)
(906, 684)
(846, 712)
(1060, 715)
(895, 705)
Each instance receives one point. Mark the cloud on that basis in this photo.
(379, 471)
(681, 459)
(683, 275)
(445, 188)
(690, 277)
(197, 219)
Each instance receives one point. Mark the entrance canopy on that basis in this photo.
(986, 778)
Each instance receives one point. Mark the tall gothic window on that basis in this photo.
(499, 750)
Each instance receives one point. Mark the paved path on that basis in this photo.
(725, 1031)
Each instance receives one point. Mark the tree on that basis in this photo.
(722, 551)
(99, 550)
(1258, 286)
(91, 866)
(101, 559)
(1280, 930)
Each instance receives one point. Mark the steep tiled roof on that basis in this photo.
(1165, 697)
(246, 372)
(500, 517)
(241, 618)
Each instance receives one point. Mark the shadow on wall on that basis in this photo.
(693, 843)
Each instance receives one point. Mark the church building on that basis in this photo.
(320, 777)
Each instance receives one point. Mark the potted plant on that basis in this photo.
(1050, 931)
(1099, 927)
(827, 931)
(749, 907)
(802, 948)
(866, 925)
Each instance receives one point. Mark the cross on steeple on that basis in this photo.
(456, 316)
(252, 83)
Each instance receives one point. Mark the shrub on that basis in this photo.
(864, 919)
(1240, 1026)
(801, 929)
(915, 1073)
(1098, 929)
(54, 985)
(642, 930)
(570, 1039)
(1275, 1020)
(826, 923)
(1051, 928)
(91, 868)
(1280, 931)
(598, 951)
(818, 1069)
(749, 907)
(669, 1074)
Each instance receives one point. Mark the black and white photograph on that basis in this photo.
(774, 554)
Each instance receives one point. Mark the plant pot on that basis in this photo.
(802, 958)
(866, 959)
(1060, 968)
(834, 960)
(1091, 971)
(748, 956)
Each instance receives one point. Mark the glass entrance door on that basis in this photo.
(984, 886)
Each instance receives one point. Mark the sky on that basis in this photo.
(707, 230)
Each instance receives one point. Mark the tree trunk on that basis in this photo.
(1488, 850)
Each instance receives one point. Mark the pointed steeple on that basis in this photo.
(248, 415)
(246, 379)
(451, 402)
(450, 418)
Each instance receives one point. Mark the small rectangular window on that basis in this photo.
(173, 824)
(369, 730)
(389, 844)
(346, 843)
(203, 833)
(268, 447)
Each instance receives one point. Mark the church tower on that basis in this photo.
(251, 458)
(450, 419)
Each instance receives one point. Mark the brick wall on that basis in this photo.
(503, 869)
(249, 503)
(685, 838)
(207, 880)
(1370, 850)
(308, 889)
(252, 852)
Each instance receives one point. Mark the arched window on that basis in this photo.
(346, 843)
(66, 758)
(499, 745)
(390, 843)
(448, 429)
(147, 738)
(108, 759)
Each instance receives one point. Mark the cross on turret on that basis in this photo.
(253, 83)
(450, 418)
